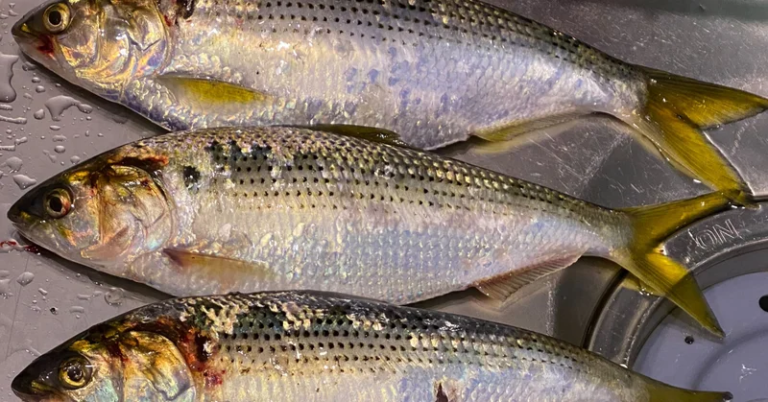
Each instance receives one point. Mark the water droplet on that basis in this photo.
(55, 128)
(5, 106)
(40, 114)
(13, 120)
(50, 156)
(59, 149)
(100, 135)
(77, 310)
(36, 80)
(39, 89)
(58, 104)
(9, 148)
(59, 138)
(54, 310)
(24, 181)
(74, 159)
(42, 291)
(83, 296)
(114, 296)
(5, 288)
(25, 278)
(14, 163)
(20, 140)
(7, 93)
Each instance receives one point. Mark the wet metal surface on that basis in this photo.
(44, 300)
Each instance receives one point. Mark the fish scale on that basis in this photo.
(304, 346)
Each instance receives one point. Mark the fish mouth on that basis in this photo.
(37, 47)
(27, 388)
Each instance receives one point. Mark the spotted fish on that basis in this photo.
(287, 208)
(314, 347)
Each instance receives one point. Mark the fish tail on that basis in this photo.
(660, 392)
(676, 111)
(645, 257)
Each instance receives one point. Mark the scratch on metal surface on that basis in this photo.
(15, 311)
(737, 141)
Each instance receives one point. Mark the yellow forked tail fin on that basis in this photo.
(646, 259)
(660, 392)
(676, 111)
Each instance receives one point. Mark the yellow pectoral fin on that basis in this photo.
(205, 92)
(215, 267)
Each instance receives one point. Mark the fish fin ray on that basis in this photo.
(514, 131)
(205, 92)
(703, 104)
(676, 111)
(631, 282)
(502, 287)
(645, 258)
(660, 392)
(373, 134)
(207, 264)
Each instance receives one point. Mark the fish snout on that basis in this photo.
(23, 387)
(14, 213)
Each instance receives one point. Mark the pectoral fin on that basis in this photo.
(203, 92)
(502, 287)
(216, 267)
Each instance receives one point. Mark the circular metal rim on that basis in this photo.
(626, 317)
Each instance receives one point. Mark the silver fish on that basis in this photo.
(314, 347)
(434, 71)
(281, 208)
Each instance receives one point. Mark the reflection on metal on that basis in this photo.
(716, 249)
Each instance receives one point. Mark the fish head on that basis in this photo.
(103, 213)
(108, 363)
(101, 45)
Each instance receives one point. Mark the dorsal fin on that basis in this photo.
(373, 134)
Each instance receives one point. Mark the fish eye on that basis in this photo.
(58, 203)
(56, 18)
(75, 372)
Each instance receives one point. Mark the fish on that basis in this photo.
(305, 346)
(435, 72)
(225, 210)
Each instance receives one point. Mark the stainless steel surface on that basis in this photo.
(675, 356)
(715, 40)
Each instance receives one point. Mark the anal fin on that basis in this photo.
(507, 137)
(502, 287)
